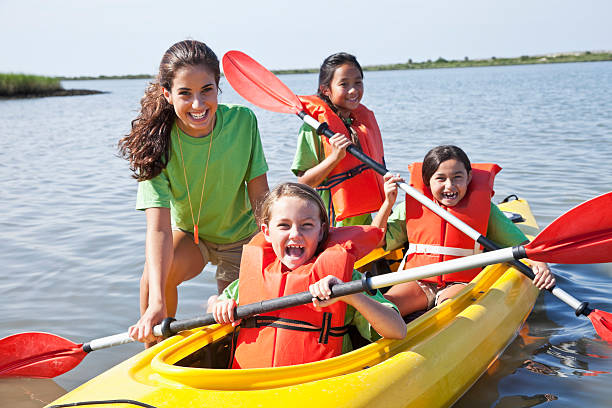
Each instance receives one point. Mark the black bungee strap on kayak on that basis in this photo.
(290, 324)
(103, 402)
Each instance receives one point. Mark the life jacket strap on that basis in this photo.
(326, 329)
(336, 179)
(439, 250)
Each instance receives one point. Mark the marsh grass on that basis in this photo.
(22, 84)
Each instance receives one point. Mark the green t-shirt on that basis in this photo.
(351, 316)
(500, 229)
(236, 157)
(309, 153)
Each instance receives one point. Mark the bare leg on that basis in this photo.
(408, 297)
(449, 292)
(187, 264)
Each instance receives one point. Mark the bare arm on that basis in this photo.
(257, 189)
(158, 258)
(317, 174)
(380, 220)
(385, 320)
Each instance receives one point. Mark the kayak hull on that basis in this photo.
(445, 351)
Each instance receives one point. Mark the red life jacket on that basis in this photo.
(432, 239)
(300, 334)
(355, 188)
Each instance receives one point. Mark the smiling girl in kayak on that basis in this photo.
(297, 251)
(350, 189)
(463, 189)
(201, 169)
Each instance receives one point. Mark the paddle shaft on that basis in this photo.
(366, 284)
(323, 129)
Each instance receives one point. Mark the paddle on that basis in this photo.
(262, 88)
(575, 237)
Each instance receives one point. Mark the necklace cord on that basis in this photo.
(195, 225)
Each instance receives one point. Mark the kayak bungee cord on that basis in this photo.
(103, 402)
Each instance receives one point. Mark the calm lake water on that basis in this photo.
(72, 245)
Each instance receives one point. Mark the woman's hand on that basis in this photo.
(142, 331)
(544, 279)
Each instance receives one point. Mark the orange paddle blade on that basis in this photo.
(602, 322)
(38, 355)
(580, 236)
(258, 85)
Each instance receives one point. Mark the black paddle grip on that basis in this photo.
(324, 130)
(253, 309)
(518, 252)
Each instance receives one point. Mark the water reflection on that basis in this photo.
(28, 392)
(514, 401)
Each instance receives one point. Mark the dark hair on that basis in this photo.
(329, 67)
(303, 191)
(147, 146)
(439, 155)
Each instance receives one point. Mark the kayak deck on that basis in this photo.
(444, 353)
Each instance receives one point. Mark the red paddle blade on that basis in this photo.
(38, 355)
(258, 85)
(602, 322)
(580, 236)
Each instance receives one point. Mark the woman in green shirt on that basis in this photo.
(201, 171)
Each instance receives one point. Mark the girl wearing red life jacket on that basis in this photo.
(349, 188)
(465, 190)
(296, 251)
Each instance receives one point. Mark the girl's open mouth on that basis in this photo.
(294, 251)
(450, 196)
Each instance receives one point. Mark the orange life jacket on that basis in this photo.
(300, 334)
(355, 188)
(432, 239)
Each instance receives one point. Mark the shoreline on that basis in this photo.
(554, 58)
(586, 56)
(45, 94)
(20, 86)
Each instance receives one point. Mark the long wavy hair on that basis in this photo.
(147, 145)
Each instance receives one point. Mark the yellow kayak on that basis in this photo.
(445, 351)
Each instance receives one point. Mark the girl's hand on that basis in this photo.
(390, 187)
(223, 312)
(544, 279)
(321, 291)
(339, 143)
(142, 331)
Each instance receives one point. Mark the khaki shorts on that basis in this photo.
(225, 256)
(432, 291)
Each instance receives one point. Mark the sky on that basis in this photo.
(117, 37)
